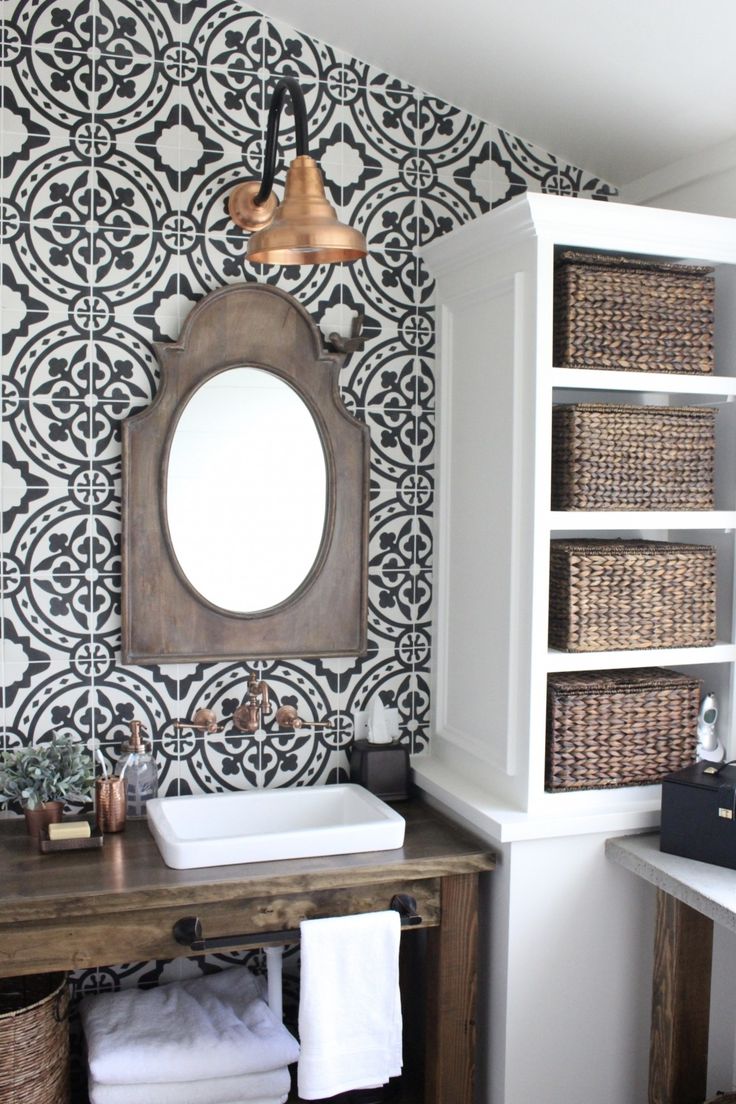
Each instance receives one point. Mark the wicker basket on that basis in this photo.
(34, 1040)
(632, 315)
(622, 594)
(608, 456)
(619, 728)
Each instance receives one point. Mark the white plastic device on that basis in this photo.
(709, 746)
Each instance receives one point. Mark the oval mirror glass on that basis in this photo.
(246, 490)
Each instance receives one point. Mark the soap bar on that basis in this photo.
(71, 829)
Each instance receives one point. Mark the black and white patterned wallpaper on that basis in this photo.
(124, 126)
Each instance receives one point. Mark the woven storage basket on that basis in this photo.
(608, 456)
(619, 728)
(632, 315)
(620, 594)
(34, 1040)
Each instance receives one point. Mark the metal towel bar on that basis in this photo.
(188, 930)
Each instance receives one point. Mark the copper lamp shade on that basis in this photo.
(304, 229)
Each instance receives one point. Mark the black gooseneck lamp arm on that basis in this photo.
(286, 84)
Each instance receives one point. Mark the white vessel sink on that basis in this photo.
(258, 825)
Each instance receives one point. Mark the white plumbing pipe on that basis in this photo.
(274, 967)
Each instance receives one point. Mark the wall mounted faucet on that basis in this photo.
(248, 717)
(250, 714)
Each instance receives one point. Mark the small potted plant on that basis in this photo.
(41, 777)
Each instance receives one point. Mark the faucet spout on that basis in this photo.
(248, 717)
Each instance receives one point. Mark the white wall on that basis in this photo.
(715, 195)
(704, 183)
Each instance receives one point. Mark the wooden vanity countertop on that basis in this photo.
(77, 909)
(128, 874)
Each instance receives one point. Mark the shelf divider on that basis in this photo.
(721, 652)
(564, 521)
(673, 383)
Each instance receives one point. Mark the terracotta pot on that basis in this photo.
(50, 812)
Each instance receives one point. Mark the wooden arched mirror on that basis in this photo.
(245, 493)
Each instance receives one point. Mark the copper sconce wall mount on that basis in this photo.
(304, 229)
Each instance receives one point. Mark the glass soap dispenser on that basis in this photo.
(137, 765)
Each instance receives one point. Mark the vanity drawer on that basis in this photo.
(271, 915)
(143, 934)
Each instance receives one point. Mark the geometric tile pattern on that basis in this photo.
(124, 124)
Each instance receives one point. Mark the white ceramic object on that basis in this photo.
(261, 825)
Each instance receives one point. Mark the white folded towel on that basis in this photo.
(186, 1095)
(349, 1004)
(252, 1087)
(183, 1031)
(188, 1098)
(259, 1100)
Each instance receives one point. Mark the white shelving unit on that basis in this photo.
(494, 522)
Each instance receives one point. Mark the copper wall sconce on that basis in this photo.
(304, 229)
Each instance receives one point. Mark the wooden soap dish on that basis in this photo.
(84, 844)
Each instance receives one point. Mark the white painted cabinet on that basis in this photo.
(497, 384)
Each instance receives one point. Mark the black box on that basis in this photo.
(699, 813)
(381, 768)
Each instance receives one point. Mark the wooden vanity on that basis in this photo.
(120, 903)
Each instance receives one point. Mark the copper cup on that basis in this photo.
(110, 802)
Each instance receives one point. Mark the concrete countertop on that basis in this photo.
(711, 890)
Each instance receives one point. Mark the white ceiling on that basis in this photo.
(618, 87)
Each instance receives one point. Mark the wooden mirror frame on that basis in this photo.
(164, 619)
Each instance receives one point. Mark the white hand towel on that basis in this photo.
(183, 1031)
(251, 1087)
(349, 1004)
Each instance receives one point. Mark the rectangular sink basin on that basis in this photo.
(258, 825)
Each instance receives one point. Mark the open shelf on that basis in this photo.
(721, 652)
(564, 521)
(672, 383)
